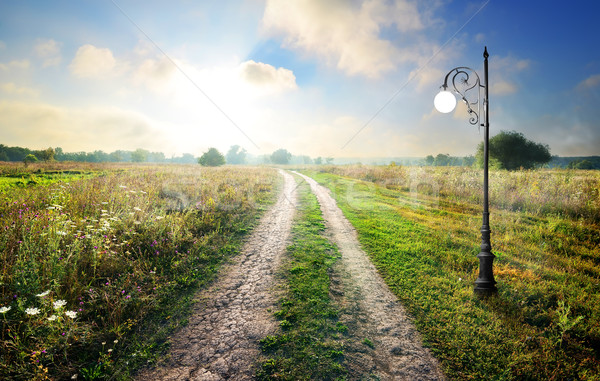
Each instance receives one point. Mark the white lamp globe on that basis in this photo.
(444, 101)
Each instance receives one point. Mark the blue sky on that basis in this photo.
(333, 78)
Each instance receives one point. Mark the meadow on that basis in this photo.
(99, 263)
(420, 227)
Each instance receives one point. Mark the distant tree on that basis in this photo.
(47, 154)
(281, 156)
(212, 158)
(442, 160)
(58, 154)
(581, 164)
(30, 159)
(319, 160)
(306, 159)
(329, 160)
(468, 160)
(236, 155)
(511, 150)
(429, 160)
(139, 156)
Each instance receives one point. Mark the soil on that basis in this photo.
(230, 317)
(383, 344)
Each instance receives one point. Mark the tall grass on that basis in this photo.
(87, 264)
(571, 193)
(545, 321)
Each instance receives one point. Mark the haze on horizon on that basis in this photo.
(320, 78)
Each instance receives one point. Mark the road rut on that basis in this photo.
(370, 310)
(230, 317)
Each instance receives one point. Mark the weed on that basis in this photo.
(544, 322)
(308, 348)
(97, 256)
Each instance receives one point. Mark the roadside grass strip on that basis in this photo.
(544, 323)
(309, 345)
(97, 272)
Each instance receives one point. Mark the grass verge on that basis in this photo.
(545, 321)
(97, 271)
(308, 346)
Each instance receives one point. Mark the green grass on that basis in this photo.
(309, 346)
(545, 321)
(123, 252)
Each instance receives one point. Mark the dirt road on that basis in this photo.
(221, 340)
(370, 310)
(230, 317)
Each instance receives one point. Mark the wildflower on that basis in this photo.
(122, 186)
(52, 318)
(59, 304)
(4, 309)
(71, 314)
(116, 341)
(159, 217)
(137, 209)
(43, 293)
(59, 232)
(32, 311)
(110, 350)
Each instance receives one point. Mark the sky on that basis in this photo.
(330, 78)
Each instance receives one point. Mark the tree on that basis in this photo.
(581, 164)
(319, 160)
(281, 156)
(47, 154)
(429, 160)
(30, 159)
(212, 158)
(511, 150)
(139, 155)
(442, 160)
(236, 155)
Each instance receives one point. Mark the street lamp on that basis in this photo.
(463, 80)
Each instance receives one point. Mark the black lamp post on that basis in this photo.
(445, 102)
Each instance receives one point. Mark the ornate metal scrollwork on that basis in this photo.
(462, 83)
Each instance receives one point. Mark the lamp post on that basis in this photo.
(463, 80)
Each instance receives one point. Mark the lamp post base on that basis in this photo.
(485, 283)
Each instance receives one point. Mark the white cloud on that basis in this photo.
(15, 64)
(266, 77)
(93, 62)
(502, 70)
(12, 89)
(590, 82)
(155, 74)
(38, 125)
(344, 35)
(49, 51)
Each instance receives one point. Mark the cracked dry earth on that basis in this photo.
(221, 339)
(370, 310)
(230, 317)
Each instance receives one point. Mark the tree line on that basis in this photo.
(212, 157)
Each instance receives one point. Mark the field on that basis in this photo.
(97, 261)
(420, 227)
(100, 263)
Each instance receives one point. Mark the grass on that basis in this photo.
(309, 346)
(97, 270)
(545, 321)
